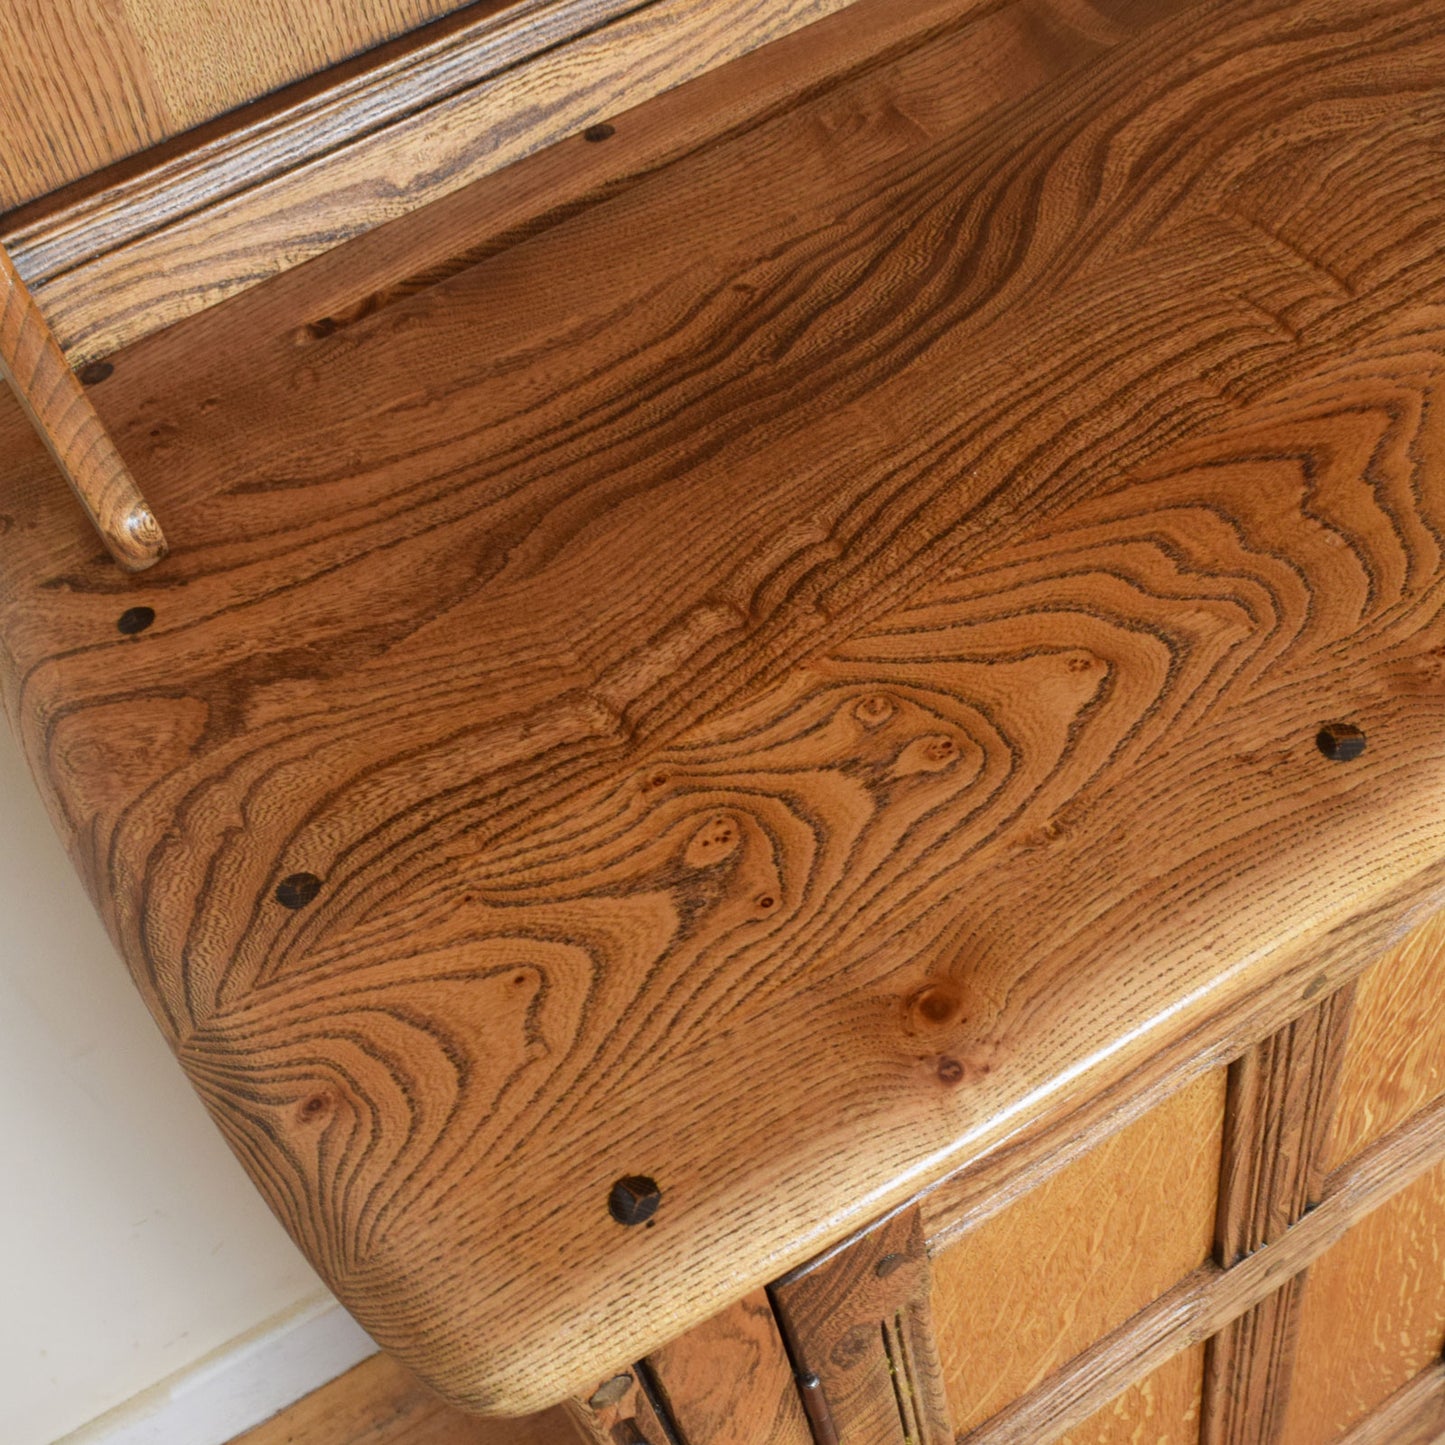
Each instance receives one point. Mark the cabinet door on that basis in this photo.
(950, 1320)
(1152, 1281)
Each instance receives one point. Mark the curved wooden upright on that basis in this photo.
(53, 398)
(768, 669)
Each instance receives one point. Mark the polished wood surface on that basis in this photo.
(40, 378)
(1413, 1415)
(82, 84)
(1212, 1298)
(288, 181)
(1373, 1316)
(1395, 1062)
(1027, 1291)
(1160, 1410)
(380, 1403)
(782, 680)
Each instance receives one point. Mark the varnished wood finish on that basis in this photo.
(1413, 1415)
(84, 84)
(1251, 1371)
(1212, 1297)
(35, 368)
(292, 181)
(1395, 1063)
(790, 679)
(380, 1403)
(1160, 1410)
(860, 1322)
(623, 1409)
(1280, 1114)
(1373, 1314)
(729, 1381)
(1021, 1295)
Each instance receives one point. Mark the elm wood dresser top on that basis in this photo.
(789, 671)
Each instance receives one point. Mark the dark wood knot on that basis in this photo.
(634, 1199)
(135, 620)
(298, 890)
(1340, 742)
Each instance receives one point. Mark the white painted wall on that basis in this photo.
(131, 1244)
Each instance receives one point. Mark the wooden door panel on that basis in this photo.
(1160, 1410)
(1031, 1287)
(1395, 1059)
(1373, 1315)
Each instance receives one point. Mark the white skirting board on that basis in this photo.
(239, 1385)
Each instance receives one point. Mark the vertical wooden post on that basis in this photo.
(860, 1327)
(1281, 1104)
(730, 1382)
(33, 363)
(622, 1411)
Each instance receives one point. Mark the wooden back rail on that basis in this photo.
(55, 401)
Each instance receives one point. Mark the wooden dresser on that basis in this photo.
(786, 778)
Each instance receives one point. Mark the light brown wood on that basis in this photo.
(623, 1409)
(82, 85)
(1024, 1293)
(54, 401)
(729, 1382)
(1280, 1113)
(1250, 1371)
(897, 548)
(1160, 1410)
(380, 1403)
(294, 181)
(859, 1327)
(1395, 1063)
(1373, 1314)
(1212, 1298)
(1413, 1415)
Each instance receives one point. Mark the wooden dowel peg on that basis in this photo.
(55, 401)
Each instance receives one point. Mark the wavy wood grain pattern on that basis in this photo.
(785, 679)
(1373, 1316)
(1162, 1409)
(35, 368)
(1395, 1063)
(82, 84)
(1028, 1290)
